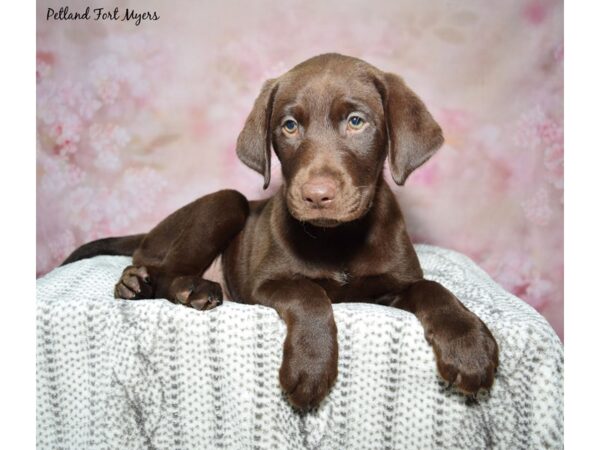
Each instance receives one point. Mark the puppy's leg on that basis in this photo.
(465, 350)
(172, 258)
(310, 350)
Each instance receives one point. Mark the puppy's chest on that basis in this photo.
(341, 278)
(346, 279)
(344, 288)
(345, 284)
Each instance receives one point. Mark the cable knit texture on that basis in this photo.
(115, 374)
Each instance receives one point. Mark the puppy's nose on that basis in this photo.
(319, 192)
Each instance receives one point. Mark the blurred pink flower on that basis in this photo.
(535, 12)
(539, 292)
(108, 142)
(455, 120)
(61, 244)
(559, 52)
(554, 164)
(537, 207)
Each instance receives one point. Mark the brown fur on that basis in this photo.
(332, 233)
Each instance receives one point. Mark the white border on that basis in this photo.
(582, 223)
(17, 221)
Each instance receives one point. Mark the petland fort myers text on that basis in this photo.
(96, 14)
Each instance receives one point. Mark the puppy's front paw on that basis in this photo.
(134, 284)
(465, 351)
(309, 367)
(196, 292)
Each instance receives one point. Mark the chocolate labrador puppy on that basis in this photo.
(332, 233)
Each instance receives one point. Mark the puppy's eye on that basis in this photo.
(290, 126)
(356, 122)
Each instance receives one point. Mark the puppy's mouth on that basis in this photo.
(324, 223)
(333, 215)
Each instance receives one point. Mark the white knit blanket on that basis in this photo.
(115, 374)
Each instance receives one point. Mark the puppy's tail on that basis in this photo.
(124, 245)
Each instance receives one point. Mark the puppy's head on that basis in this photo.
(331, 121)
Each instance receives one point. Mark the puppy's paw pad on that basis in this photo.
(307, 379)
(196, 292)
(468, 362)
(206, 303)
(134, 284)
(309, 392)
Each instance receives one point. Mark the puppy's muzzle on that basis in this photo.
(319, 192)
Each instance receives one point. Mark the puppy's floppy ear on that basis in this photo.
(254, 142)
(413, 135)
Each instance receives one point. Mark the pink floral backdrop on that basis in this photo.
(135, 121)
